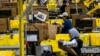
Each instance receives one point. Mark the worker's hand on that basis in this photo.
(60, 41)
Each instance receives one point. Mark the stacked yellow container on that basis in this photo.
(58, 21)
(64, 37)
(4, 40)
(85, 38)
(97, 22)
(52, 5)
(97, 39)
(7, 53)
(15, 24)
(93, 39)
(14, 41)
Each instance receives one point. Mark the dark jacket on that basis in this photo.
(67, 26)
(77, 49)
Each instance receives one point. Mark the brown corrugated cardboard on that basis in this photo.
(52, 30)
(3, 25)
(10, 12)
(45, 31)
(9, 4)
(41, 27)
(78, 16)
(73, 6)
(0, 5)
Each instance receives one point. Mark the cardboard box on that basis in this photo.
(0, 5)
(9, 4)
(35, 9)
(4, 25)
(78, 16)
(10, 12)
(45, 31)
(73, 6)
(41, 27)
(52, 30)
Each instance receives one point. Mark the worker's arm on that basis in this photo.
(72, 43)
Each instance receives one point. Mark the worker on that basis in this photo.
(62, 7)
(67, 25)
(75, 43)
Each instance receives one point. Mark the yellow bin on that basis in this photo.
(7, 53)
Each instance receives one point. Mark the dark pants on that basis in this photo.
(73, 55)
(70, 54)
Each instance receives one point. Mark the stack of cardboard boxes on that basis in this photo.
(8, 0)
(7, 10)
(87, 22)
(45, 31)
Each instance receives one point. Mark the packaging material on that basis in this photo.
(41, 27)
(52, 30)
(3, 25)
(45, 31)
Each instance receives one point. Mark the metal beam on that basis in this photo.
(22, 53)
(20, 6)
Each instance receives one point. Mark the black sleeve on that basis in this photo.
(62, 8)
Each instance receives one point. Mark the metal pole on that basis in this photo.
(21, 39)
(76, 7)
(20, 6)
